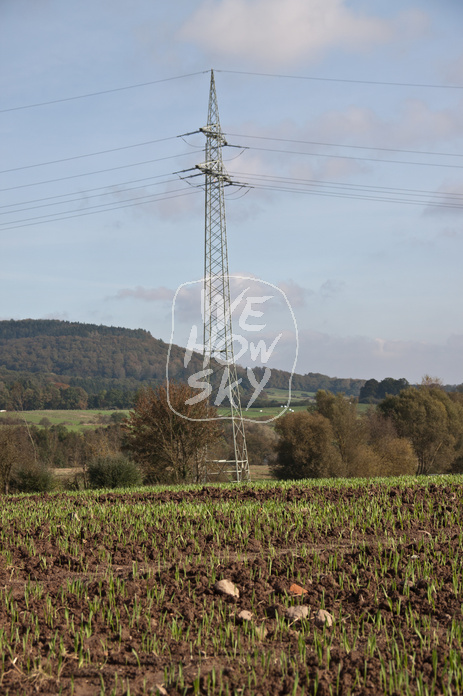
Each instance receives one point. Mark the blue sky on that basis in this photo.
(358, 105)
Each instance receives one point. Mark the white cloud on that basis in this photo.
(314, 151)
(295, 293)
(420, 123)
(415, 124)
(272, 32)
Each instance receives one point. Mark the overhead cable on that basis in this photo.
(98, 171)
(39, 221)
(89, 154)
(341, 79)
(115, 190)
(277, 184)
(234, 72)
(351, 157)
(354, 195)
(367, 187)
(84, 192)
(100, 92)
(352, 147)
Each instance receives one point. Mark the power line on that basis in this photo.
(109, 190)
(354, 147)
(364, 159)
(271, 183)
(89, 154)
(81, 194)
(37, 221)
(449, 197)
(233, 135)
(231, 72)
(355, 187)
(91, 190)
(98, 171)
(283, 184)
(263, 149)
(94, 207)
(338, 79)
(352, 194)
(358, 197)
(100, 92)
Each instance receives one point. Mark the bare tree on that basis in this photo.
(168, 436)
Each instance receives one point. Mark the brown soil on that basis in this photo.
(116, 616)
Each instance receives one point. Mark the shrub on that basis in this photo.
(118, 417)
(113, 472)
(32, 478)
(16, 452)
(305, 447)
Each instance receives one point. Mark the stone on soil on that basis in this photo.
(323, 618)
(261, 632)
(245, 615)
(297, 589)
(297, 613)
(227, 587)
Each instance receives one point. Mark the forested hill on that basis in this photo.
(60, 364)
(31, 328)
(82, 350)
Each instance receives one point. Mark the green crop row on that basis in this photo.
(118, 589)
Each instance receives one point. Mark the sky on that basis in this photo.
(344, 120)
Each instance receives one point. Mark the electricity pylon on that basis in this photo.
(218, 334)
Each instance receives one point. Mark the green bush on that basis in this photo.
(32, 479)
(113, 472)
(45, 422)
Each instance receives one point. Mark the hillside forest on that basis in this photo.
(52, 364)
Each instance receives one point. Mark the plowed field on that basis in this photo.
(108, 593)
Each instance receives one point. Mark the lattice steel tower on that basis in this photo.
(218, 334)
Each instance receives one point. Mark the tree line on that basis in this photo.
(37, 393)
(52, 364)
(372, 392)
(28, 453)
(151, 446)
(417, 431)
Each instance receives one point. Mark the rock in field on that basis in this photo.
(323, 618)
(297, 613)
(227, 587)
(261, 632)
(297, 589)
(245, 615)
